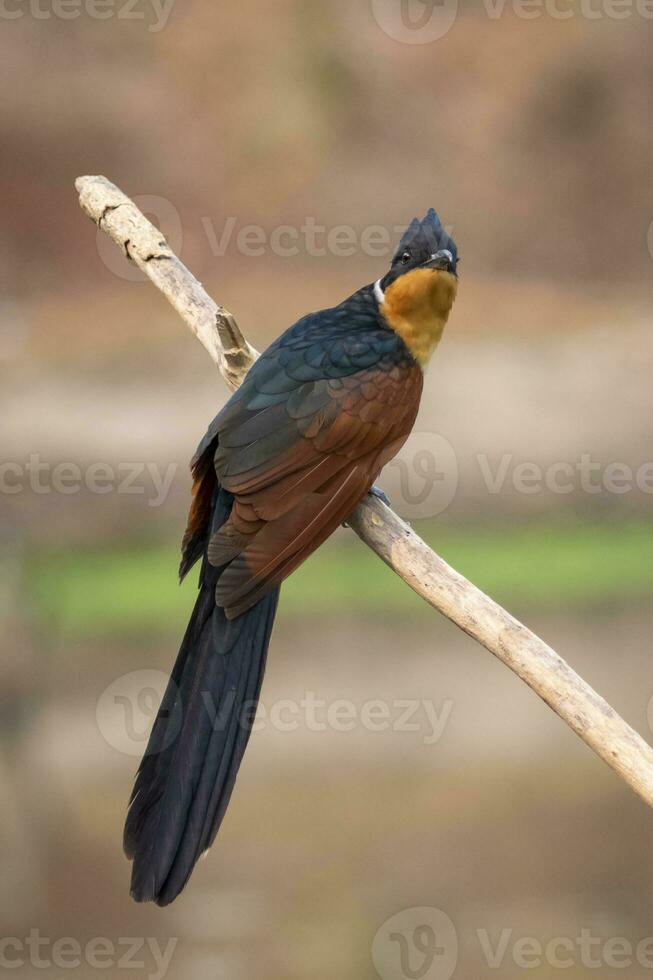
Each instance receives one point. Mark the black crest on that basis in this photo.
(423, 238)
(419, 243)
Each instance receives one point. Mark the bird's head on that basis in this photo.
(416, 295)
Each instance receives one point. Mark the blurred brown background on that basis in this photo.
(531, 472)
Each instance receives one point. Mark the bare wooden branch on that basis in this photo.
(114, 213)
(391, 538)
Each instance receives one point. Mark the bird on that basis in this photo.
(284, 463)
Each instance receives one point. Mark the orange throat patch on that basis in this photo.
(417, 307)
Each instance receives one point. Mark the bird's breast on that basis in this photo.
(417, 306)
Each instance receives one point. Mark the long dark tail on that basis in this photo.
(188, 772)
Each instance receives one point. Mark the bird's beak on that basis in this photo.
(440, 260)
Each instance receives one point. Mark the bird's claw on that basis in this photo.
(375, 491)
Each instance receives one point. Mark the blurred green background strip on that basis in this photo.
(133, 590)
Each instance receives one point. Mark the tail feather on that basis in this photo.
(198, 740)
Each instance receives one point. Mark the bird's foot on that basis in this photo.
(375, 491)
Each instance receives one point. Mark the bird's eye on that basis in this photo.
(406, 257)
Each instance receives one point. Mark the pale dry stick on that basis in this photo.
(392, 539)
(214, 327)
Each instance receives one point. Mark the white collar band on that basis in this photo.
(378, 293)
